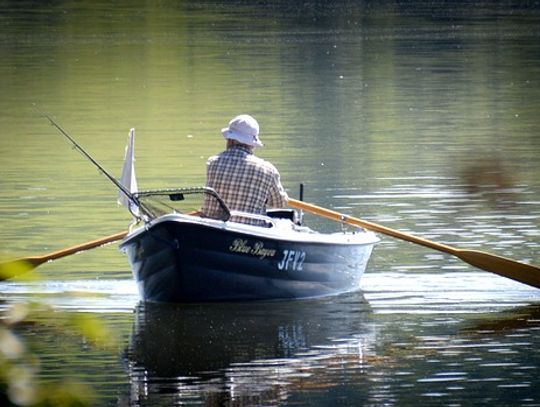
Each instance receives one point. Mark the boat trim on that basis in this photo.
(283, 230)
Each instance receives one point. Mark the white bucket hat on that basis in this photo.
(243, 129)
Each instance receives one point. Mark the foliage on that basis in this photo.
(20, 367)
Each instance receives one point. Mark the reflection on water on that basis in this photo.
(407, 337)
(525, 319)
(399, 347)
(244, 353)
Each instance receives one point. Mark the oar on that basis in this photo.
(12, 268)
(524, 273)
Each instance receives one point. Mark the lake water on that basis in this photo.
(421, 116)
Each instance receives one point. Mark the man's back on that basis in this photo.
(245, 182)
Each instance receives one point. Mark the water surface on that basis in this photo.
(418, 116)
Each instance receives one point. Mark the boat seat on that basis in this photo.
(281, 213)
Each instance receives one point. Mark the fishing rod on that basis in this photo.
(76, 145)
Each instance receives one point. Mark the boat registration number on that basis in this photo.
(292, 260)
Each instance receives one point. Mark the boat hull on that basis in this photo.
(174, 260)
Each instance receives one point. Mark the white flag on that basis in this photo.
(128, 178)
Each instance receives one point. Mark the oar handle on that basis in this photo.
(84, 246)
(339, 217)
(522, 272)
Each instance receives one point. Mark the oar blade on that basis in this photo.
(522, 272)
(13, 268)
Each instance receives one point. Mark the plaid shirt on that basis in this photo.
(245, 182)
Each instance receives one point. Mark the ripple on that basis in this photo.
(99, 296)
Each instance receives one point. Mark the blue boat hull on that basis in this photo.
(175, 261)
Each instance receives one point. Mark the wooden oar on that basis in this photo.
(524, 273)
(12, 268)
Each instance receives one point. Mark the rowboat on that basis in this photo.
(176, 255)
(179, 257)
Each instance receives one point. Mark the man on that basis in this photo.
(244, 181)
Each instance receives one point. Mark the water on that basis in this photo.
(418, 116)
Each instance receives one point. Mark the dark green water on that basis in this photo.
(421, 116)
